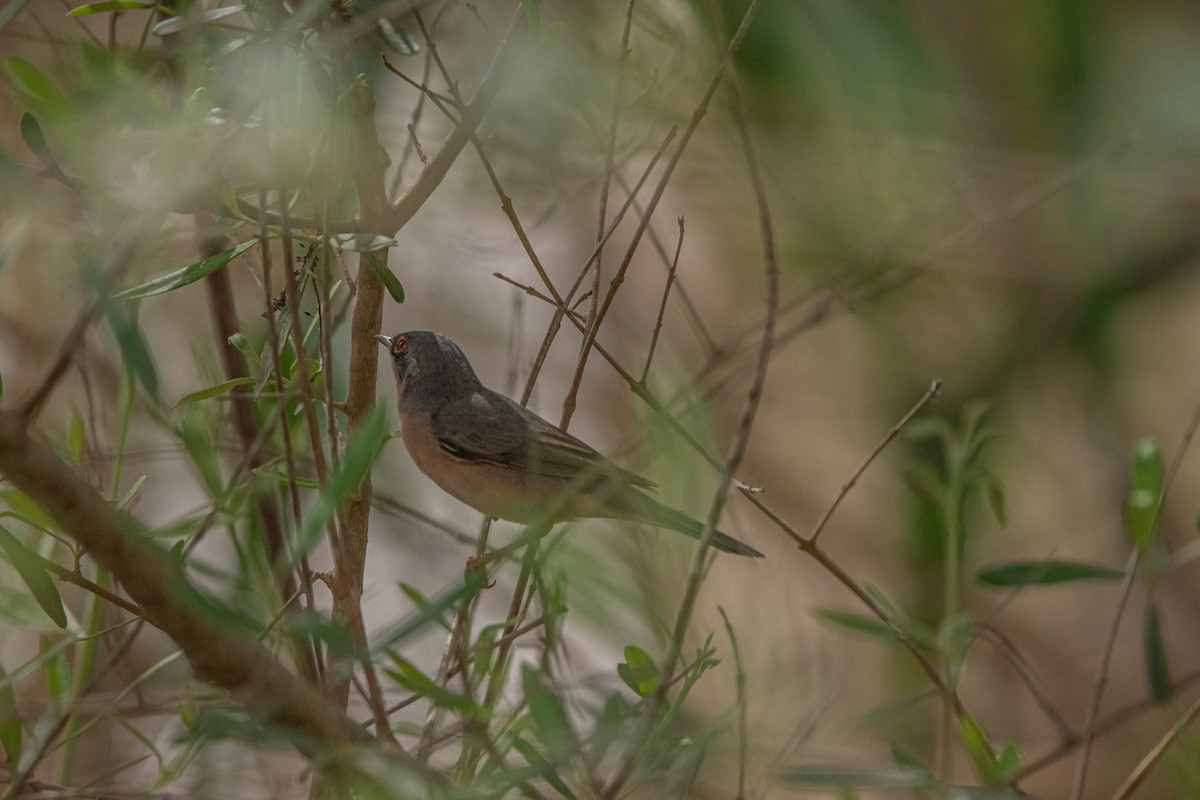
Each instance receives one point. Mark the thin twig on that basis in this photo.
(1110, 642)
(1131, 783)
(662, 306)
(927, 398)
(739, 679)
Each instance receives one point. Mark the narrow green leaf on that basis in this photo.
(1038, 573)
(609, 728)
(549, 720)
(978, 749)
(336, 637)
(26, 510)
(284, 479)
(1147, 472)
(29, 566)
(128, 496)
(35, 140)
(422, 619)
(1141, 509)
(76, 438)
(134, 348)
(638, 671)
(108, 5)
(243, 346)
(543, 766)
(186, 275)
(828, 776)
(10, 722)
(407, 675)
(212, 391)
(422, 602)
(57, 674)
(1146, 476)
(996, 499)
(179, 23)
(39, 90)
(361, 451)
(390, 281)
(1158, 672)
(1009, 760)
(858, 623)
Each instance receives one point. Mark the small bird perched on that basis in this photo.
(505, 461)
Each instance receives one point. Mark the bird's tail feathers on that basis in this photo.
(647, 509)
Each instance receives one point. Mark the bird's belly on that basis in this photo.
(492, 489)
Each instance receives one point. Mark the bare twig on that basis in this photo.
(927, 398)
(662, 306)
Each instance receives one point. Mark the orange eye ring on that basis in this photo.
(400, 346)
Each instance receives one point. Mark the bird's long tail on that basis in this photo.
(648, 510)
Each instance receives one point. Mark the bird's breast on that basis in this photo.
(497, 490)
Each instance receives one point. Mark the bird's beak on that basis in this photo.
(386, 341)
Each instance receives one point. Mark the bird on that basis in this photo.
(505, 461)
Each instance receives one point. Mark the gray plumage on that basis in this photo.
(503, 459)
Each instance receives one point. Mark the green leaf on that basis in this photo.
(422, 619)
(309, 623)
(212, 391)
(827, 776)
(35, 140)
(1039, 573)
(128, 496)
(859, 623)
(243, 346)
(10, 721)
(39, 90)
(546, 712)
(1158, 672)
(29, 566)
(24, 509)
(1146, 478)
(183, 21)
(57, 674)
(1009, 761)
(978, 749)
(361, 451)
(609, 728)
(284, 479)
(639, 671)
(134, 348)
(186, 275)
(543, 766)
(1147, 472)
(108, 5)
(76, 440)
(390, 281)
(408, 676)
(422, 602)
(996, 499)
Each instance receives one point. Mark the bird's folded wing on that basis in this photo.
(493, 429)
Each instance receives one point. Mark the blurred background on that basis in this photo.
(1002, 196)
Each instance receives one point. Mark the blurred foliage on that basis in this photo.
(1002, 195)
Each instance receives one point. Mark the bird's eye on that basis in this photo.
(400, 346)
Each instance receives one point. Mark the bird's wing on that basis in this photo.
(490, 428)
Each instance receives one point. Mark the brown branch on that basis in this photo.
(225, 658)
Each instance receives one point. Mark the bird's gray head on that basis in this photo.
(430, 369)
